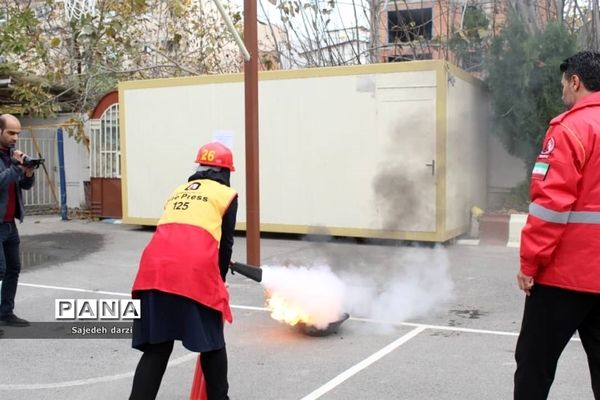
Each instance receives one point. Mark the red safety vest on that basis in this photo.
(183, 254)
(560, 244)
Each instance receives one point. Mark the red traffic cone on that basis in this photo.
(198, 385)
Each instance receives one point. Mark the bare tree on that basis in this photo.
(582, 18)
(527, 9)
(319, 32)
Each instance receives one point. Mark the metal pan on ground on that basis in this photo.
(331, 328)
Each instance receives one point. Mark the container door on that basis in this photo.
(405, 184)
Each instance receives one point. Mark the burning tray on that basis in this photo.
(312, 330)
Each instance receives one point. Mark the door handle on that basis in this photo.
(432, 165)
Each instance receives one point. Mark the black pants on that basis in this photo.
(551, 317)
(153, 364)
(10, 266)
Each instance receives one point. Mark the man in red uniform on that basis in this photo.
(560, 244)
(181, 277)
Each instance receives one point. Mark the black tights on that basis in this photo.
(153, 364)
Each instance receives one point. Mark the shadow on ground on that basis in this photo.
(38, 251)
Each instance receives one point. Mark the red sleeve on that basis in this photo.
(554, 183)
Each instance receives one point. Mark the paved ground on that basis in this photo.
(463, 349)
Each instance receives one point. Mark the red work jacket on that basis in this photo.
(560, 244)
(183, 254)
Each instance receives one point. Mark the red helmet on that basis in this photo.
(215, 154)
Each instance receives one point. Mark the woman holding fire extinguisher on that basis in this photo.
(181, 277)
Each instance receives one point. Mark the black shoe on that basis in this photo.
(13, 320)
(1, 333)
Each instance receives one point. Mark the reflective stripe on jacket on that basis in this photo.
(560, 244)
(183, 254)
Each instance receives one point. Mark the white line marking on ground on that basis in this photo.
(252, 308)
(89, 381)
(440, 327)
(75, 289)
(363, 364)
(444, 328)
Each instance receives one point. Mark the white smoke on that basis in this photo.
(412, 284)
(419, 281)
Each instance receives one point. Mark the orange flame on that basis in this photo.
(283, 311)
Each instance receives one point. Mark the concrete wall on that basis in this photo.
(466, 147)
(504, 172)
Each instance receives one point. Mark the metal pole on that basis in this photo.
(61, 169)
(251, 118)
(232, 30)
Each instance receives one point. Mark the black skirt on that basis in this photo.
(167, 317)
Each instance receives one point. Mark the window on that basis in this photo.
(106, 153)
(409, 57)
(408, 25)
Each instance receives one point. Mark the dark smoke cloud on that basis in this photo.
(396, 198)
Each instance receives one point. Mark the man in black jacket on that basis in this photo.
(13, 177)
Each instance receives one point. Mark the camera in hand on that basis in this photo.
(32, 162)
